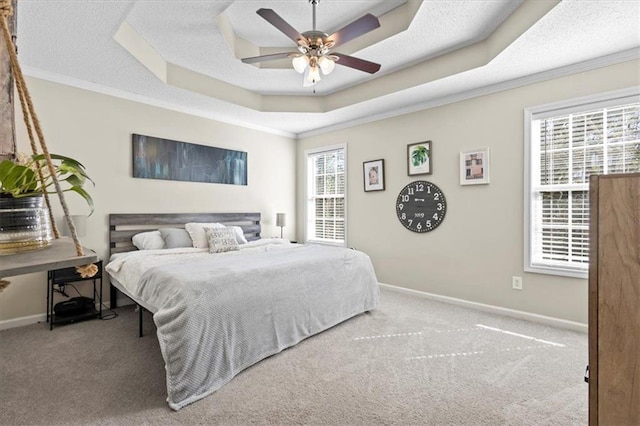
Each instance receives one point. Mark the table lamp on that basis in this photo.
(281, 219)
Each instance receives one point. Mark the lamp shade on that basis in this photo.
(314, 74)
(326, 65)
(300, 63)
(281, 219)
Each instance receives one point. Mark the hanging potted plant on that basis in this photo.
(25, 222)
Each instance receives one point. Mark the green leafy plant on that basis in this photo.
(19, 178)
(419, 155)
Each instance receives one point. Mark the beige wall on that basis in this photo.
(479, 246)
(96, 130)
(471, 256)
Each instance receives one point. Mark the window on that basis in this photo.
(565, 144)
(326, 195)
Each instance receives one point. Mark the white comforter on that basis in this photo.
(217, 314)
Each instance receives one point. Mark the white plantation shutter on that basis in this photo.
(326, 180)
(565, 149)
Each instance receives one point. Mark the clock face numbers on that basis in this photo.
(421, 206)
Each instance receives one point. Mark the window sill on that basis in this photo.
(548, 270)
(327, 243)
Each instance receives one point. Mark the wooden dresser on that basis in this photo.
(614, 300)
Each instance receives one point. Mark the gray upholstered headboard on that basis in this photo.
(123, 226)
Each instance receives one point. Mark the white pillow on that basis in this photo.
(239, 234)
(151, 240)
(197, 234)
(221, 239)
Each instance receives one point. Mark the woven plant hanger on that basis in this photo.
(32, 123)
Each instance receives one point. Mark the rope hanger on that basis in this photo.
(32, 123)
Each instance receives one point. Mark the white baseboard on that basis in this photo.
(22, 321)
(34, 319)
(556, 322)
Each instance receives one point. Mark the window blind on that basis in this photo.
(326, 210)
(566, 150)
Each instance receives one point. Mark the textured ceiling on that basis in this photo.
(73, 42)
(331, 15)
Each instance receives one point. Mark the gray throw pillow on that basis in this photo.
(221, 240)
(175, 237)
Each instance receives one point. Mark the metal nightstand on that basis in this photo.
(61, 277)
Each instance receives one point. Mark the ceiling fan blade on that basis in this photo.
(356, 63)
(265, 58)
(274, 19)
(355, 29)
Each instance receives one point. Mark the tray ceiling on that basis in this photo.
(186, 55)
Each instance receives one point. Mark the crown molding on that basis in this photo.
(604, 61)
(613, 59)
(464, 59)
(146, 100)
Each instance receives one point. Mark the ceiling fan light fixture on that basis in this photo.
(300, 63)
(327, 65)
(303, 47)
(307, 80)
(313, 75)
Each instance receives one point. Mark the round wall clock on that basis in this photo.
(421, 206)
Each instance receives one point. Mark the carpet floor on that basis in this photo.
(412, 361)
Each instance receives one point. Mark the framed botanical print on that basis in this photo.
(373, 175)
(474, 167)
(419, 158)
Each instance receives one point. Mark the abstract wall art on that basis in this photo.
(157, 158)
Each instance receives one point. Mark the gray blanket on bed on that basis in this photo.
(217, 315)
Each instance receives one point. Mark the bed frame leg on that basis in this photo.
(113, 296)
(140, 334)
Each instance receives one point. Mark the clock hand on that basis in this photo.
(419, 199)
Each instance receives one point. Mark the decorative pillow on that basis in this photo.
(196, 232)
(221, 239)
(239, 234)
(175, 237)
(151, 240)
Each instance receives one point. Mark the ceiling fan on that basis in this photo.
(314, 47)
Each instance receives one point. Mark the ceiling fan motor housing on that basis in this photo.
(315, 43)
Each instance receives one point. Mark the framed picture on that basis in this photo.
(474, 167)
(373, 175)
(419, 158)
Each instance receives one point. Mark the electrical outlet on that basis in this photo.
(516, 283)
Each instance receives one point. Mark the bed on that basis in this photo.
(217, 314)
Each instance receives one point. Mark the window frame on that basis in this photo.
(308, 193)
(576, 105)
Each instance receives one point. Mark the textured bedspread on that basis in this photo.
(217, 314)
